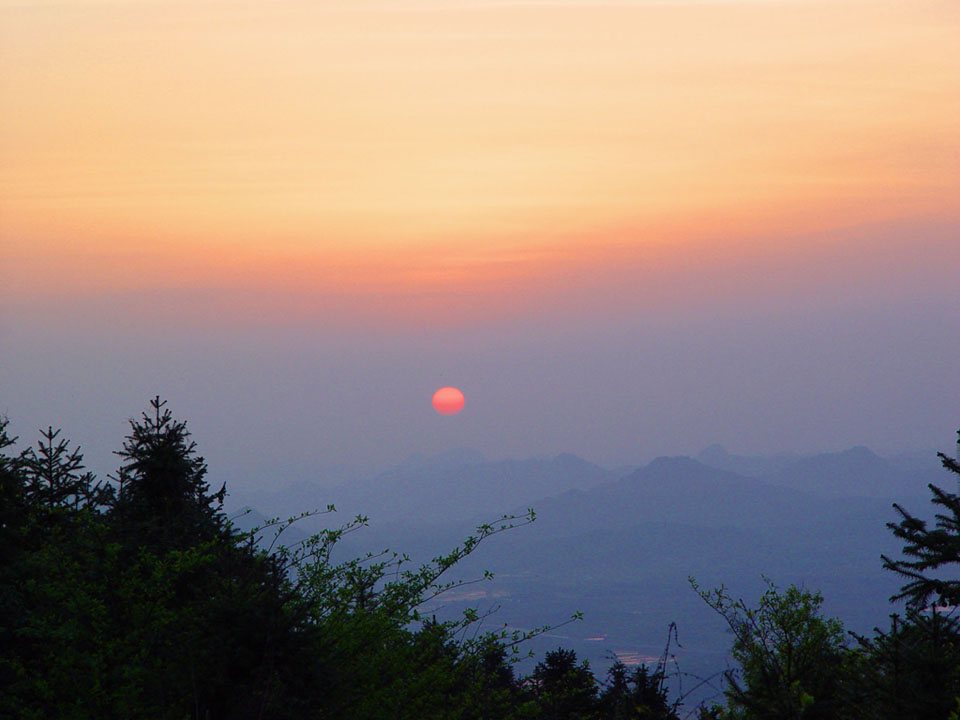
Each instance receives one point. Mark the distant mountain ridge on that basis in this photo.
(748, 465)
(683, 490)
(857, 472)
(461, 484)
(468, 490)
(451, 487)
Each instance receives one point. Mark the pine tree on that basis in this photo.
(930, 548)
(11, 497)
(636, 695)
(12, 610)
(916, 665)
(201, 609)
(163, 496)
(52, 583)
(564, 689)
(56, 477)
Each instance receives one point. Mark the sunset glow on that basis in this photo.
(422, 158)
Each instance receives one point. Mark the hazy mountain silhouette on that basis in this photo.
(682, 490)
(924, 463)
(454, 487)
(438, 487)
(856, 472)
(446, 461)
(748, 465)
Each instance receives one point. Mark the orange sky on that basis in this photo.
(379, 150)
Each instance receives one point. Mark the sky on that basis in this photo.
(623, 228)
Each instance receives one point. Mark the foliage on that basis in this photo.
(140, 599)
(916, 664)
(791, 658)
(638, 694)
(563, 688)
(914, 667)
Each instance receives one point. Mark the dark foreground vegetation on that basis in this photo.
(135, 597)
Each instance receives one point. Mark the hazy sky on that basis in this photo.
(623, 228)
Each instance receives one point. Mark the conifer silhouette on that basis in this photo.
(929, 549)
(163, 495)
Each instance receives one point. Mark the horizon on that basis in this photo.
(329, 476)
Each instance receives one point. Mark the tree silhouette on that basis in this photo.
(56, 477)
(12, 550)
(929, 548)
(916, 664)
(163, 497)
(914, 667)
(636, 695)
(564, 689)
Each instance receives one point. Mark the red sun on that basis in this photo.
(448, 401)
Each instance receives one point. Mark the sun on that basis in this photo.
(448, 401)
